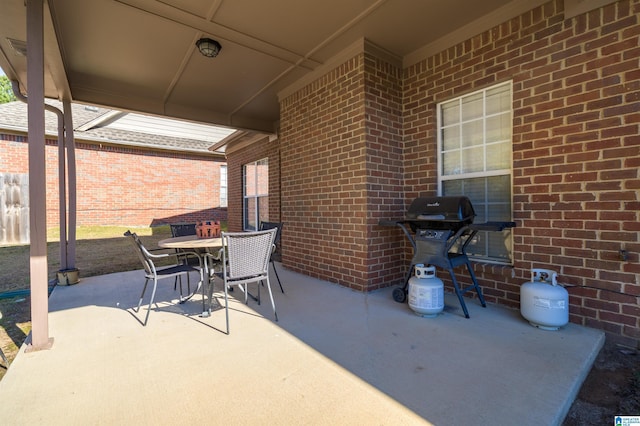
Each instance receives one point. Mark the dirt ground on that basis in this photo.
(611, 388)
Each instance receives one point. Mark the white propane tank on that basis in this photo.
(426, 292)
(543, 302)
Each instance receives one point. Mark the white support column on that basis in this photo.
(37, 178)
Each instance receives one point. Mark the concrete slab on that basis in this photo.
(335, 357)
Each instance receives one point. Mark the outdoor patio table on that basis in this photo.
(192, 242)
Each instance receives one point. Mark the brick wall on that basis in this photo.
(576, 153)
(576, 150)
(127, 186)
(324, 178)
(384, 166)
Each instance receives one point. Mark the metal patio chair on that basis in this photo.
(151, 272)
(276, 245)
(181, 230)
(245, 260)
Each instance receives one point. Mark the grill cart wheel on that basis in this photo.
(399, 294)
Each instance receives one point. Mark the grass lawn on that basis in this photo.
(99, 250)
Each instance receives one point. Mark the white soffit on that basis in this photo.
(133, 122)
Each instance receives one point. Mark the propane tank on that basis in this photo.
(426, 292)
(543, 302)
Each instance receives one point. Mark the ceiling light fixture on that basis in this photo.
(208, 47)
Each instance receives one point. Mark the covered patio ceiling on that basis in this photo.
(140, 55)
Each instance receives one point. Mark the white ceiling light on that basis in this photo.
(208, 47)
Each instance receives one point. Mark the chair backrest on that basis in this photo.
(272, 225)
(141, 251)
(182, 229)
(247, 254)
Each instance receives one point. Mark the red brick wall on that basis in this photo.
(576, 153)
(127, 186)
(385, 172)
(576, 150)
(324, 178)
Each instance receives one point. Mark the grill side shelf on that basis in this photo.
(400, 224)
(492, 226)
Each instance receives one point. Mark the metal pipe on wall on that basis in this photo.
(62, 176)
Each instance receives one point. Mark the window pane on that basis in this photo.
(450, 113)
(263, 210)
(451, 163)
(498, 99)
(250, 213)
(223, 197)
(499, 156)
(472, 106)
(451, 138)
(262, 179)
(472, 160)
(452, 187)
(499, 190)
(499, 245)
(250, 180)
(498, 128)
(472, 133)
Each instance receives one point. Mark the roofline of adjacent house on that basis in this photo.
(97, 141)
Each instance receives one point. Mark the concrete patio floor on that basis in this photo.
(335, 357)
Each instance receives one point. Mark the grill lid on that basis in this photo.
(450, 209)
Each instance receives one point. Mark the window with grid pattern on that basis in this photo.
(256, 194)
(474, 146)
(223, 186)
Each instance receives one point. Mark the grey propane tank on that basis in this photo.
(543, 302)
(426, 292)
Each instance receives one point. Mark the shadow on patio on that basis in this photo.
(335, 357)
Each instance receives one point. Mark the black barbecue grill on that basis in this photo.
(441, 229)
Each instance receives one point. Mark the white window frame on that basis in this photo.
(224, 189)
(483, 209)
(259, 197)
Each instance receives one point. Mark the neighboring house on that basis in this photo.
(550, 112)
(132, 170)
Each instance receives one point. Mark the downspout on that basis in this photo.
(70, 145)
(61, 174)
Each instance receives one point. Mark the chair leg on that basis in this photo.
(273, 304)
(144, 289)
(276, 272)
(153, 295)
(4, 358)
(178, 279)
(226, 304)
(209, 284)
